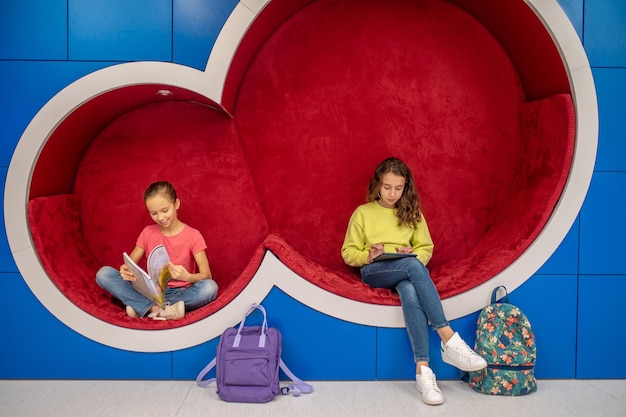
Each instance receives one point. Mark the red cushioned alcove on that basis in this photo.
(451, 88)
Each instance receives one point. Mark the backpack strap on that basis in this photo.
(236, 341)
(243, 321)
(494, 294)
(298, 386)
(204, 372)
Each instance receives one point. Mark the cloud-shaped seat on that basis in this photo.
(334, 89)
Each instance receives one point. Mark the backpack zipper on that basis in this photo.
(511, 367)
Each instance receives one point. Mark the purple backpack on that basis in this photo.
(248, 362)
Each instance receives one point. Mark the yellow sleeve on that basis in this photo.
(354, 252)
(422, 242)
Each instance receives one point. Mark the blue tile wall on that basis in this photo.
(7, 264)
(550, 303)
(565, 259)
(196, 26)
(611, 92)
(188, 363)
(27, 86)
(605, 32)
(315, 346)
(120, 30)
(573, 301)
(38, 346)
(603, 226)
(599, 326)
(33, 29)
(395, 357)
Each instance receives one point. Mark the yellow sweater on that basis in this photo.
(372, 223)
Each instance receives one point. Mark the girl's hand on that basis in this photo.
(376, 250)
(179, 272)
(405, 249)
(126, 274)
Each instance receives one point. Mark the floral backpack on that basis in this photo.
(505, 339)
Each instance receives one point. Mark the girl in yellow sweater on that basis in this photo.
(391, 221)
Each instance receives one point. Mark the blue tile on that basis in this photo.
(7, 263)
(574, 11)
(317, 346)
(27, 86)
(114, 30)
(187, 363)
(33, 29)
(564, 260)
(550, 303)
(41, 347)
(605, 32)
(395, 357)
(120, 30)
(601, 308)
(602, 225)
(196, 26)
(611, 93)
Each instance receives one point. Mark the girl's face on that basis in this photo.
(162, 210)
(391, 189)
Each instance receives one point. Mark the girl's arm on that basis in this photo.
(353, 251)
(422, 242)
(204, 271)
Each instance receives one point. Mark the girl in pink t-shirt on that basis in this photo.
(191, 285)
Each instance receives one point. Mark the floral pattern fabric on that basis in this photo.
(504, 337)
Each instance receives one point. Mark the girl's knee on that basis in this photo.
(106, 274)
(405, 286)
(209, 289)
(414, 262)
(417, 268)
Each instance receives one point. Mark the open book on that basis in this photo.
(387, 256)
(151, 284)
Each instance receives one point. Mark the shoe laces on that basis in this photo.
(464, 350)
(169, 311)
(429, 383)
(155, 315)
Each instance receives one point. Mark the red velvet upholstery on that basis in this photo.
(333, 91)
(70, 264)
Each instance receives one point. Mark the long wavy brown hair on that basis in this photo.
(408, 206)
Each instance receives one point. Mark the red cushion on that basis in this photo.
(424, 82)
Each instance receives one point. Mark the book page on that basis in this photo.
(143, 284)
(157, 267)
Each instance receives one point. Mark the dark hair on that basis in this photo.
(163, 188)
(408, 206)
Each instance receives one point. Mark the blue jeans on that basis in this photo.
(195, 296)
(418, 295)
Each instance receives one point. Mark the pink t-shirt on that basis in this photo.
(180, 247)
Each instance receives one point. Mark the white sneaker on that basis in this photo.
(169, 312)
(427, 386)
(174, 311)
(456, 353)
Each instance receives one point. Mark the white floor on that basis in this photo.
(554, 398)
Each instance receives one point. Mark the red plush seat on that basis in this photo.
(333, 91)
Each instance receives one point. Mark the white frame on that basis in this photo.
(272, 272)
